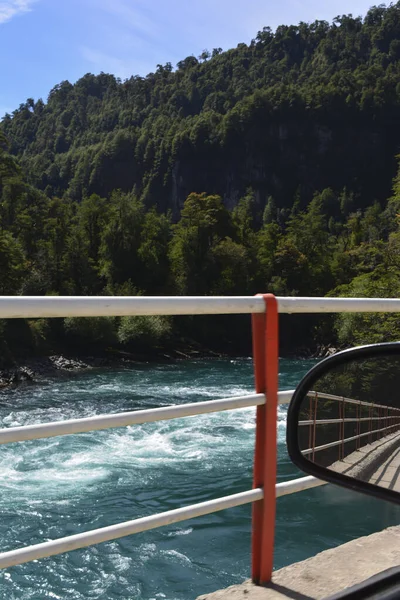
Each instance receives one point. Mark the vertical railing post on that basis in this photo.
(265, 356)
(314, 425)
(371, 416)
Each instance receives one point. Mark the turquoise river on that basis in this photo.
(61, 486)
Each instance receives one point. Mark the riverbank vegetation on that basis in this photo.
(269, 167)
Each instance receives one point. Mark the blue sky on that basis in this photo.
(43, 42)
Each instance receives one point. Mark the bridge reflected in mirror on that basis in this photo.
(350, 421)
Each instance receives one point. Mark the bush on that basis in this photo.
(144, 331)
(369, 328)
(91, 330)
(41, 333)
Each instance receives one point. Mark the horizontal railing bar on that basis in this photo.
(297, 485)
(322, 396)
(350, 439)
(334, 421)
(15, 307)
(293, 304)
(137, 417)
(285, 396)
(112, 532)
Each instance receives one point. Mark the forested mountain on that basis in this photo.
(265, 167)
(307, 107)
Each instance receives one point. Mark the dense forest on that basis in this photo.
(268, 167)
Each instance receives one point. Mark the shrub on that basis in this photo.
(91, 330)
(144, 331)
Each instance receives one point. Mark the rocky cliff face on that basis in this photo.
(291, 156)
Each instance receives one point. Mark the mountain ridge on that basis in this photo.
(307, 107)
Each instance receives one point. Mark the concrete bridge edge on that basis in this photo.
(325, 574)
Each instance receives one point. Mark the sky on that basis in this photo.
(43, 42)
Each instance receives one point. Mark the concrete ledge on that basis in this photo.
(326, 573)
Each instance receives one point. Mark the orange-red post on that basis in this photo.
(265, 355)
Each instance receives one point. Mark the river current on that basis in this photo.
(61, 486)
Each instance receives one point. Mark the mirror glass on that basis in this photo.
(349, 422)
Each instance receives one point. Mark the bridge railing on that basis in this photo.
(388, 414)
(73, 426)
(264, 311)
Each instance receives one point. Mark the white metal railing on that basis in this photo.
(99, 422)
(57, 306)
(349, 439)
(15, 307)
(322, 396)
(105, 534)
(136, 417)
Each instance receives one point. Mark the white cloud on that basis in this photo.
(130, 37)
(11, 8)
(129, 16)
(120, 67)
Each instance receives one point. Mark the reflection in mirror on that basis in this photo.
(350, 421)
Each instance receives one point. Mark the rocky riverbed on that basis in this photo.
(33, 370)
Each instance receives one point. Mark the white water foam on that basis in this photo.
(73, 462)
(74, 483)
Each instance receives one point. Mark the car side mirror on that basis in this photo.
(343, 422)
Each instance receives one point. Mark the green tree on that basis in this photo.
(204, 223)
(120, 242)
(13, 264)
